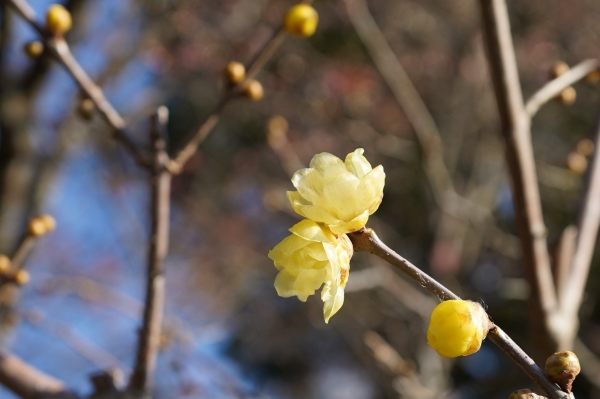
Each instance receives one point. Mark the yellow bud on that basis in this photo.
(4, 264)
(310, 258)
(253, 90)
(21, 277)
(36, 227)
(577, 163)
(593, 77)
(562, 368)
(49, 222)
(339, 194)
(34, 49)
(567, 96)
(585, 147)
(301, 20)
(559, 68)
(234, 72)
(457, 328)
(58, 19)
(86, 109)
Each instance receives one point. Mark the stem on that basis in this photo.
(366, 240)
(141, 381)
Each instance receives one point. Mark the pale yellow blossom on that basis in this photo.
(457, 328)
(339, 194)
(310, 258)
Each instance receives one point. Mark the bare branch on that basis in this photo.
(28, 382)
(553, 88)
(141, 381)
(59, 48)
(367, 240)
(515, 124)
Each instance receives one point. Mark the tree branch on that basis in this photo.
(553, 88)
(515, 124)
(59, 48)
(141, 381)
(367, 240)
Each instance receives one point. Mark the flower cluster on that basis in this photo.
(336, 198)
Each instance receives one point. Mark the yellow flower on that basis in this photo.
(339, 194)
(58, 19)
(457, 328)
(310, 257)
(301, 20)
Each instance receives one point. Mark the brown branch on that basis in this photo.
(141, 381)
(22, 252)
(553, 88)
(515, 124)
(589, 220)
(367, 240)
(59, 48)
(28, 382)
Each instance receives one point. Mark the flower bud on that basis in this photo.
(4, 264)
(339, 194)
(593, 77)
(86, 109)
(310, 258)
(49, 222)
(36, 227)
(21, 277)
(301, 20)
(58, 19)
(559, 68)
(525, 394)
(253, 90)
(562, 368)
(585, 147)
(577, 163)
(34, 49)
(567, 96)
(457, 328)
(234, 72)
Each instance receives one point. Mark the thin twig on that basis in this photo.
(519, 154)
(22, 252)
(59, 48)
(553, 88)
(28, 382)
(141, 381)
(367, 240)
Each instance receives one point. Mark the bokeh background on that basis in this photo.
(227, 334)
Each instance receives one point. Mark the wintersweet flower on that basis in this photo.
(310, 258)
(457, 328)
(339, 194)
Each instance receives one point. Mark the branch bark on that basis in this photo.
(141, 382)
(367, 240)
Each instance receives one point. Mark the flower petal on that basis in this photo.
(354, 225)
(333, 298)
(341, 196)
(328, 165)
(370, 190)
(311, 231)
(357, 164)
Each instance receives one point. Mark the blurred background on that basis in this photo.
(227, 334)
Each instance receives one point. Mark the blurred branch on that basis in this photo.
(367, 240)
(141, 381)
(28, 382)
(515, 124)
(59, 48)
(553, 88)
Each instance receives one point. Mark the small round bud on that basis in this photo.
(559, 68)
(36, 228)
(567, 96)
(58, 19)
(234, 72)
(253, 90)
(524, 394)
(49, 222)
(562, 368)
(593, 77)
(585, 147)
(301, 20)
(34, 49)
(86, 109)
(457, 328)
(4, 264)
(577, 163)
(21, 277)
